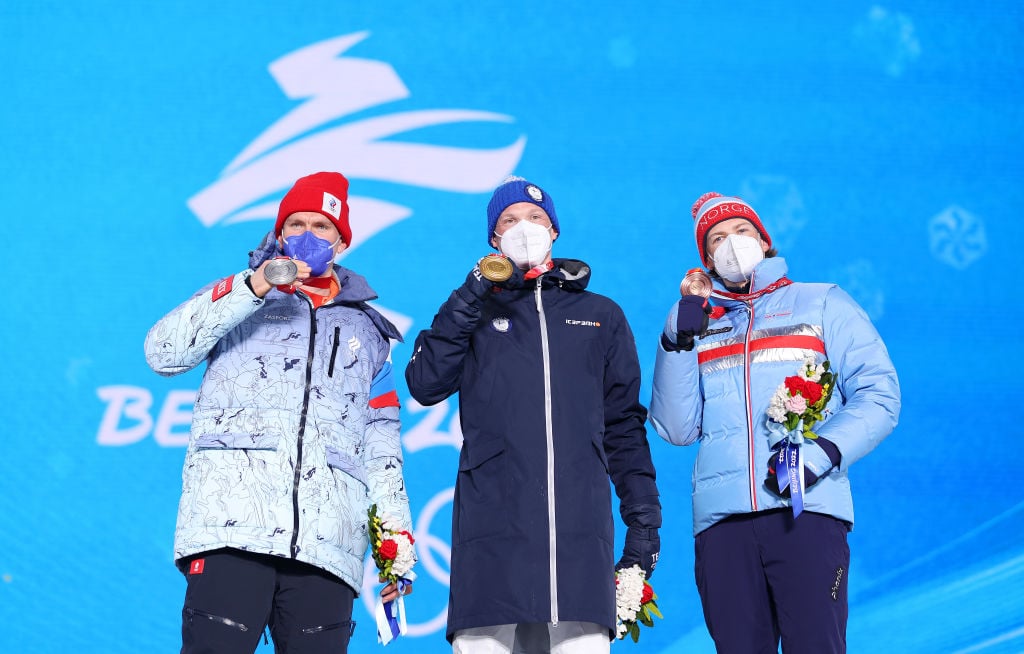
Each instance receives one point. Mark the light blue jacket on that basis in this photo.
(295, 430)
(719, 392)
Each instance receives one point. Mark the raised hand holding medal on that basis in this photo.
(280, 272)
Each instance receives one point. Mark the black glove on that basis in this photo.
(810, 478)
(691, 321)
(515, 281)
(476, 287)
(642, 547)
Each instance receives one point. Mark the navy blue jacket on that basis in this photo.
(548, 382)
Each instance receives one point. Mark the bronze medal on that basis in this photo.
(696, 282)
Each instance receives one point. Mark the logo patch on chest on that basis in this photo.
(501, 324)
(712, 332)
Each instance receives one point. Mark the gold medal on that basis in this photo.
(495, 267)
(696, 282)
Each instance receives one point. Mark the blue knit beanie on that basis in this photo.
(516, 189)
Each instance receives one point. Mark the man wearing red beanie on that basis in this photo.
(771, 499)
(295, 433)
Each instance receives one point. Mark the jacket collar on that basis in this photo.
(570, 274)
(768, 276)
(354, 287)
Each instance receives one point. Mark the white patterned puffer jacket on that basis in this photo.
(295, 430)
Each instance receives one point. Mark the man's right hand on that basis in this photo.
(476, 287)
(689, 320)
(260, 285)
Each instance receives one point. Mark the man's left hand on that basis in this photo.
(642, 548)
(391, 591)
(810, 476)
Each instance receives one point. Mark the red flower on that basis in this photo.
(388, 550)
(794, 385)
(811, 392)
(648, 594)
(805, 387)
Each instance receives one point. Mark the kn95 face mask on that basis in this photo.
(526, 244)
(318, 253)
(737, 256)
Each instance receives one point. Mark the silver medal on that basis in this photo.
(279, 272)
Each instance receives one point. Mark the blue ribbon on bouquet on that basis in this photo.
(390, 615)
(789, 461)
(789, 471)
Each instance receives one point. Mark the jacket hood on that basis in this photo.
(355, 291)
(569, 274)
(354, 287)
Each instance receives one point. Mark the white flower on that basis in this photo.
(629, 590)
(811, 371)
(406, 557)
(777, 406)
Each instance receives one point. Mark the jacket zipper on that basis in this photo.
(302, 430)
(750, 411)
(549, 433)
(334, 351)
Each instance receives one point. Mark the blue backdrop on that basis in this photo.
(145, 146)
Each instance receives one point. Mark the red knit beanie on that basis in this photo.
(712, 208)
(325, 193)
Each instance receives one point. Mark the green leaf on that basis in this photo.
(791, 421)
(810, 434)
(634, 632)
(653, 608)
(645, 619)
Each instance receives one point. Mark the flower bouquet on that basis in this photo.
(634, 603)
(393, 552)
(797, 405)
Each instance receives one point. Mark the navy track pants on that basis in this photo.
(765, 576)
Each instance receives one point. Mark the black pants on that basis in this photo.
(765, 576)
(233, 595)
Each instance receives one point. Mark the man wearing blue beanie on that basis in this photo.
(548, 381)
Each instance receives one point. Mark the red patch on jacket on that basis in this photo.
(387, 399)
(223, 287)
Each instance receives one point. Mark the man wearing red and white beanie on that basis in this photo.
(295, 432)
(771, 503)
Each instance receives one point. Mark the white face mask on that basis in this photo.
(526, 244)
(737, 256)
